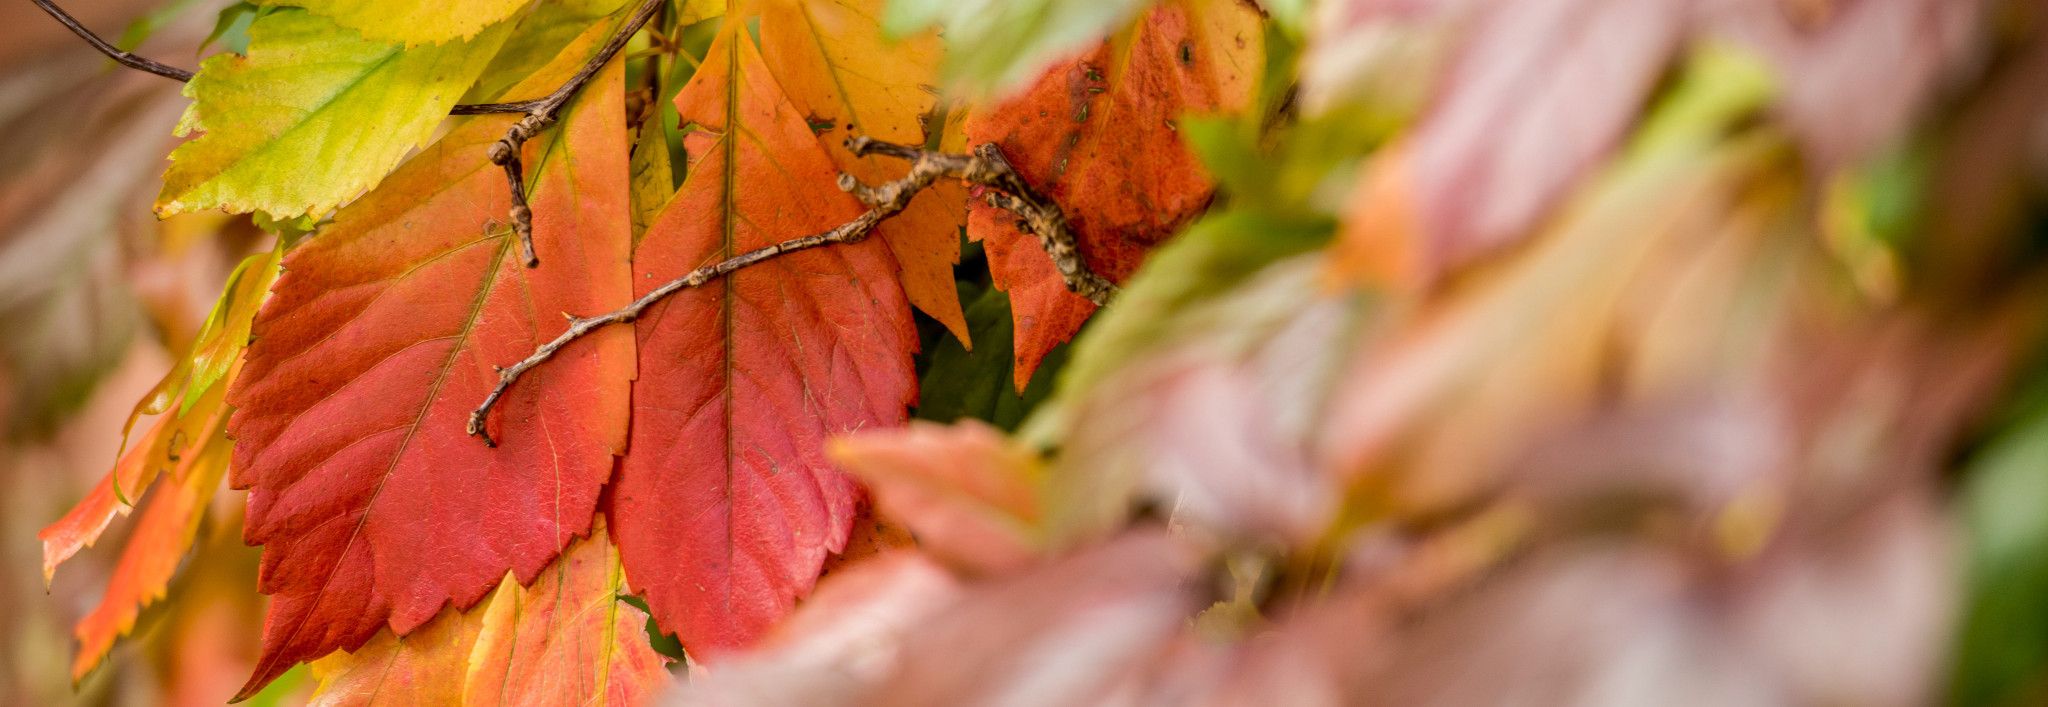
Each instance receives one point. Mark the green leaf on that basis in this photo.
(231, 27)
(411, 22)
(2002, 650)
(960, 383)
(142, 29)
(995, 45)
(225, 334)
(312, 117)
(1211, 257)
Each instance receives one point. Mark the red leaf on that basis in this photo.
(372, 503)
(849, 78)
(1097, 136)
(725, 508)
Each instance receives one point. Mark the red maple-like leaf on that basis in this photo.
(1097, 135)
(725, 507)
(372, 503)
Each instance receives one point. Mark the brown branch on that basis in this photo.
(152, 66)
(985, 167)
(126, 59)
(541, 113)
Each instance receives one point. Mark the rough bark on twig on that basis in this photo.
(541, 113)
(985, 167)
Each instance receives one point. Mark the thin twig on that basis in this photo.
(985, 167)
(126, 59)
(148, 65)
(542, 112)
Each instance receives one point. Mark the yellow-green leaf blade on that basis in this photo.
(411, 22)
(313, 116)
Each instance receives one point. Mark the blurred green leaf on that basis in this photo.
(2002, 649)
(1211, 257)
(996, 45)
(141, 29)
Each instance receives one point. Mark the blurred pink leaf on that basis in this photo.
(841, 640)
(1078, 630)
(968, 496)
(1855, 72)
(1216, 428)
(1540, 91)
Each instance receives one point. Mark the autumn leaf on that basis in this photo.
(832, 60)
(843, 639)
(426, 667)
(373, 505)
(312, 116)
(970, 497)
(1215, 409)
(1097, 136)
(1540, 92)
(538, 38)
(653, 176)
(225, 334)
(567, 639)
(411, 23)
(1498, 357)
(169, 522)
(188, 398)
(725, 506)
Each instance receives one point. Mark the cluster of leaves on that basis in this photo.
(1616, 350)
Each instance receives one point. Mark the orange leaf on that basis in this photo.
(1380, 241)
(725, 507)
(372, 503)
(82, 526)
(189, 400)
(1097, 136)
(565, 640)
(165, 531)
(837, 68)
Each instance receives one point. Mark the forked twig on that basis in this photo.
(541, 113)
(985, 167)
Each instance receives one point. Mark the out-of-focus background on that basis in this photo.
(95, 293)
